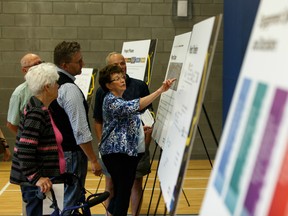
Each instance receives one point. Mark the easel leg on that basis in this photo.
(154, 183)
(99, 183)
(205, 146)
(185, 197)
(210, 125)
(147, 177)
(158, 201)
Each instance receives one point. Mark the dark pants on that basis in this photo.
(122, 169)
(33, 198)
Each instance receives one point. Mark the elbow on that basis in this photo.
(141, 107)
(12, 128)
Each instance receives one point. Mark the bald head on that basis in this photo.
(28, 61)
(118, 59)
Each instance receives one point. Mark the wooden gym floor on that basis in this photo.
(194, 187)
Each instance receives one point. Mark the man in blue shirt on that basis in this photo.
(70, 113)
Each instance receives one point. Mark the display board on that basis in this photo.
(250, 172)
(86, 82)
(187, 105)
(139, 57)
(175, 64)
(83, 80)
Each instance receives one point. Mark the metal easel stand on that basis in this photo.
(155, 177)
(212, 132)
(146, 180)
(207, 153)
(154, 183)
(210, 125)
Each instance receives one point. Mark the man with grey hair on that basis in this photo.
(21, 94)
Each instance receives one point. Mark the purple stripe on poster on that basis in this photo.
(265, 152)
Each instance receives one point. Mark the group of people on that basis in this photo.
(49, 115)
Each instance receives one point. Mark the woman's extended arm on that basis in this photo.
(145, 101)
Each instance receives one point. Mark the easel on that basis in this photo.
(155, 177)
(212, 132)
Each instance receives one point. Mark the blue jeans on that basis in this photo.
(33, 198)
(77, 163)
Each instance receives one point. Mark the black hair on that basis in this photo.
(105, 75)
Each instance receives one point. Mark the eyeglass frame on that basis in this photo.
(118, 78)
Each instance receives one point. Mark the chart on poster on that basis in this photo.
(166, 103)
(250, 172)
(83, 81)
(139, 56)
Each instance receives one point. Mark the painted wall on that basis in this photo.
(101, 26)
(239, 17)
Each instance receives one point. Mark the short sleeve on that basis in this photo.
(13, 115)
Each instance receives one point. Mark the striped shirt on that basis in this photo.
(36, 150)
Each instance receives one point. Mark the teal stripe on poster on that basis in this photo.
(246, 143)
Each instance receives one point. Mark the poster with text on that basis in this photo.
(164, 111)
(186, 110)
(139, 57)
(83, 81)
(250, 172)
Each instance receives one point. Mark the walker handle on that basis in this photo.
(95, 199)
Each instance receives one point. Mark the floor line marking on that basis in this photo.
(4, 188)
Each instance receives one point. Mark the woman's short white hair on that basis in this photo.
(40, 75)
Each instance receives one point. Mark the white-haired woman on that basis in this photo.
(38, 154)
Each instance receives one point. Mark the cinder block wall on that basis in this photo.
(101, 26)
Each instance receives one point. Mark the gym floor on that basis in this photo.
(190, 200)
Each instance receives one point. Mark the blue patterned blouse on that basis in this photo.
(121, 126)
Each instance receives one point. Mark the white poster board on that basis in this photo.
(83, 81)
(186, 110)
(164, 111)
(136, 55)
(250, 172)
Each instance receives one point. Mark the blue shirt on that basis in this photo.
(121, 126)
(70, 98)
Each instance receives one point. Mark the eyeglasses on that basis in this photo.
(116, 79)
(36, 63)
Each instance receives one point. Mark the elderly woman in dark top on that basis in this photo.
(38, 154)
(122, 142)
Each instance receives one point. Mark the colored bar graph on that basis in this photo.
(245, 146)
(219, 179)
(264, 155)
